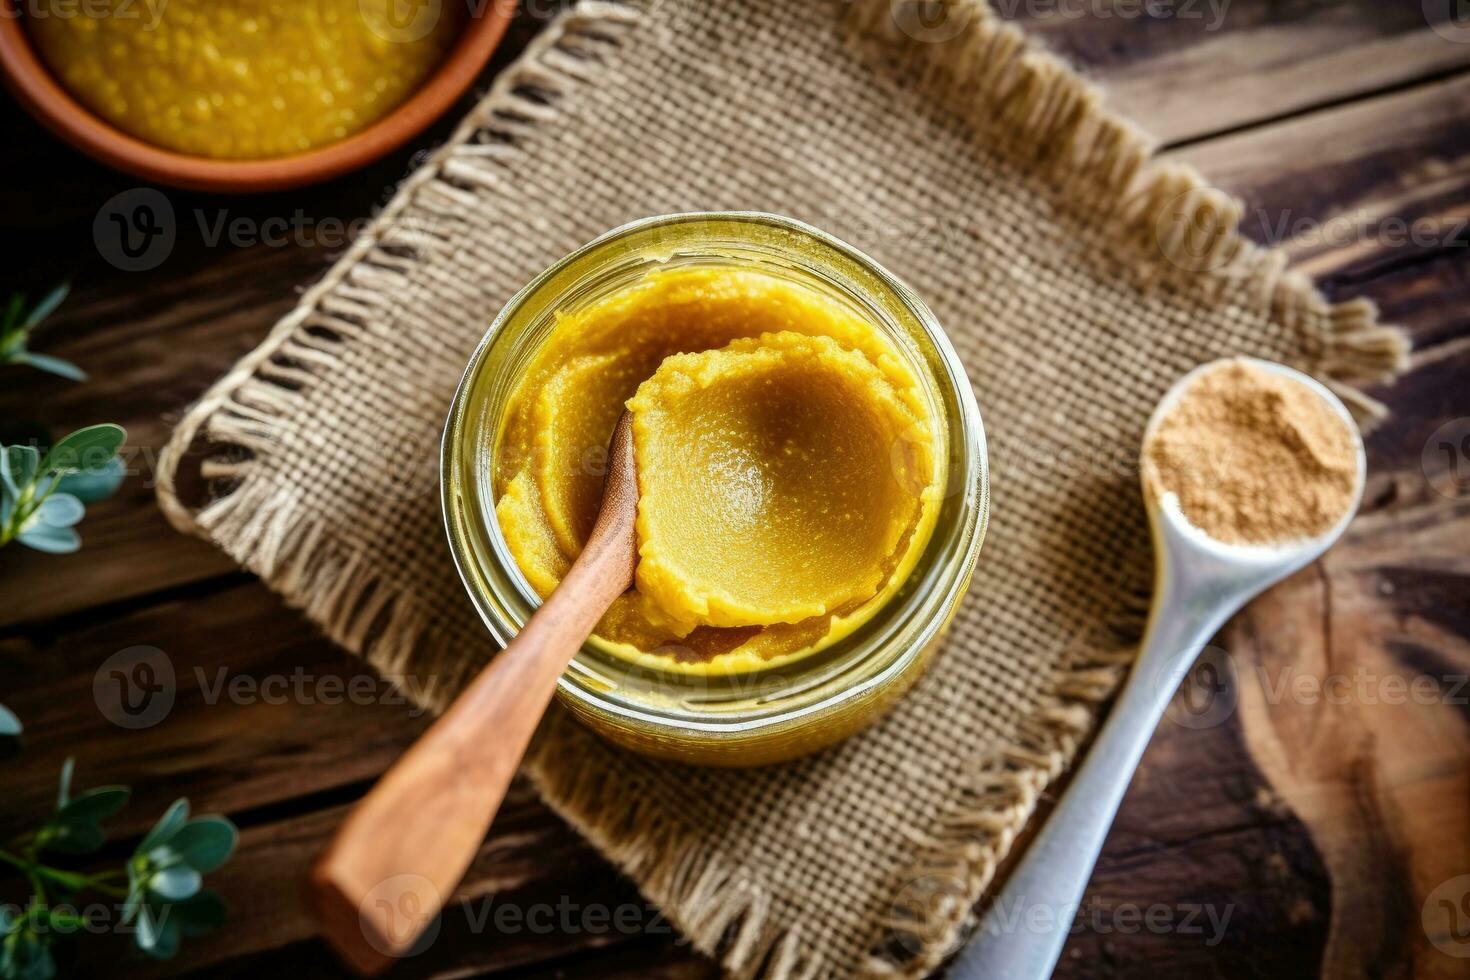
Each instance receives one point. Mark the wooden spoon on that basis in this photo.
(406, 845)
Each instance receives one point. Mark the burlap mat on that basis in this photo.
(1076, 279)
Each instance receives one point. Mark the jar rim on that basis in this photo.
(927, 613)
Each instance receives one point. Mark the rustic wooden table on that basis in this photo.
(1313, 784)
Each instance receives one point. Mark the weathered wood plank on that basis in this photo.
(250, 707)
(1353, 703)
(1193, 68)
(1355, 190)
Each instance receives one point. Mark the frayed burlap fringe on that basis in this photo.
(1181, 236)
(716, 907)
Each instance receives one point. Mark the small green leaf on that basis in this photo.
(97, 803)
(52, 540)
(90, 486)
(75, 828)
(59, 510)
(46, 306)
(175, 884)
(169, 824)
(85, 449)
(51, 365)
(18, 465)
(204, 844)
(9, 724)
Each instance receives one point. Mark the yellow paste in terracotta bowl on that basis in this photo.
(242, 79)
(788, 468)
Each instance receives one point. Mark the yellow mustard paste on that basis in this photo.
(242, 79)
(788, 466)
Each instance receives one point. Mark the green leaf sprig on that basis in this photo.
(16, 325)
(159, 888)
(43, 497)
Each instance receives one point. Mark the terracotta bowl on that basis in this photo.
(34, 86)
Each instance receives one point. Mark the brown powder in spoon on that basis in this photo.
(1254, 457)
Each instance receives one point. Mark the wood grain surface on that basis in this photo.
(1304, 811)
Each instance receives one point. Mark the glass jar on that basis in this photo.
(776, 713)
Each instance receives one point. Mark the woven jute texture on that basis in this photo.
(1077, 278)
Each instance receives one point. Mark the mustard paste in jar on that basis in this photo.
(788, 465)
(242, 79)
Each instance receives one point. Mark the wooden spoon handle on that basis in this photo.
(404, 848)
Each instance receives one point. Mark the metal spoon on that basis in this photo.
(1199, 584)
